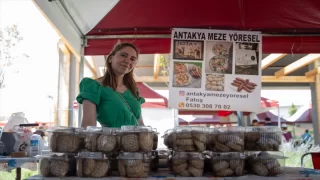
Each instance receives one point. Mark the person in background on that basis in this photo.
(255, 122)
(268, 122)
(286, 134)
(113, 99)
(305, 137)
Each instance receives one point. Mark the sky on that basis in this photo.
(37, 78)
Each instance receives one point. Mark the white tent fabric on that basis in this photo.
(85, 15)
(299, 112)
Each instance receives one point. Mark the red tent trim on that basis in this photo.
(156, 100)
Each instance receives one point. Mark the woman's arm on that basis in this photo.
(141, 123)
(89, 114)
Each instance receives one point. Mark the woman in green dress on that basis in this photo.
(113, 100)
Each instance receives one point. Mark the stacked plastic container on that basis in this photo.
(225, 151)
(136, 144)
(262, 148)
(98, 152)
(64, 144)
(187, 145)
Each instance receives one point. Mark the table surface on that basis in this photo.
(291, 173)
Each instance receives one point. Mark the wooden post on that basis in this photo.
(317, 105)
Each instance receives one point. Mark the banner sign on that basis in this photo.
(215, 70)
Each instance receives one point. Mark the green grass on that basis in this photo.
(25, 173)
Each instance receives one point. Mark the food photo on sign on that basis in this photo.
(247, 58)
(189, 50)
(219, 57)
(187, 74)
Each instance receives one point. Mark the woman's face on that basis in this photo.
(124, 61)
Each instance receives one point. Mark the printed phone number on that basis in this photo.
(209, 106)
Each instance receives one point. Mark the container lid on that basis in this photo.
(91, 155)
(227, 155)
(136, 129)
(231, 129)
(264, 155)
(64, 129)
(55, 155)
(264, 129)
(187, 155)
(135, 155)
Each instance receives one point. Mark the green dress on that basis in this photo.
(112, 111)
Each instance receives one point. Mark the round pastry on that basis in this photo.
(184, 142)
(89, 165)
(197, 163)
(185, 148)
(132, 162)
(106, 143)
(239, 170)
(185, 173)
(53, 142)
(121, 168)
(183, 135)
(200, 136)
(224, 172)
(252, 136)
(59, 168)
(130, 143)
(234, 146)
(45, 167)
(259, 169)
(195, 172)
(223, 138)
(146, 141)
(101, 169)
(220, 165)
(177, 162)
(80, 167)
(135, 171)
(200, 145)
(91, 142)
(179, 168)
(68, 143)
(221, 148)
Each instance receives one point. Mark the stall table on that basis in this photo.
(10, 163)
(291, 173)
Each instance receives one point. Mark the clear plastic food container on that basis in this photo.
(134, 164)
(98, 139)
(263, 139)
(56, 164)
(189, 139)
(136, 138)
(92, 164)
(65, 139)
(265, 163)
(226, 139)
(225, 164)
(187, 164)
(168, 138)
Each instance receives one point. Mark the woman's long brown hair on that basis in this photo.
(109, 78)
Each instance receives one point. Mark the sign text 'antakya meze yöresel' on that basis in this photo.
(215, 70)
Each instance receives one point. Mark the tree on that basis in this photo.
(9, 39)
(293, 109)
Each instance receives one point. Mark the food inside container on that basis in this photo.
(65, 139)
(136, 138)
(226, 139)
(265, 163)
(56, 164)
(168, 138)
(155, 139)
(134, 164)
(187, 164)
(189, 139)
(226, 164)
(263, 139)
(98, 139)
(92, 164)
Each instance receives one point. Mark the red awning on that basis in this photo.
(159, 16)
(265, 103)
(153, 99)
(273, 117)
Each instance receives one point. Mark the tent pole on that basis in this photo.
(175, 118)
(81, 75)
(279, 122)
(239, 114)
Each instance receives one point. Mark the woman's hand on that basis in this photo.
(89, 114)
